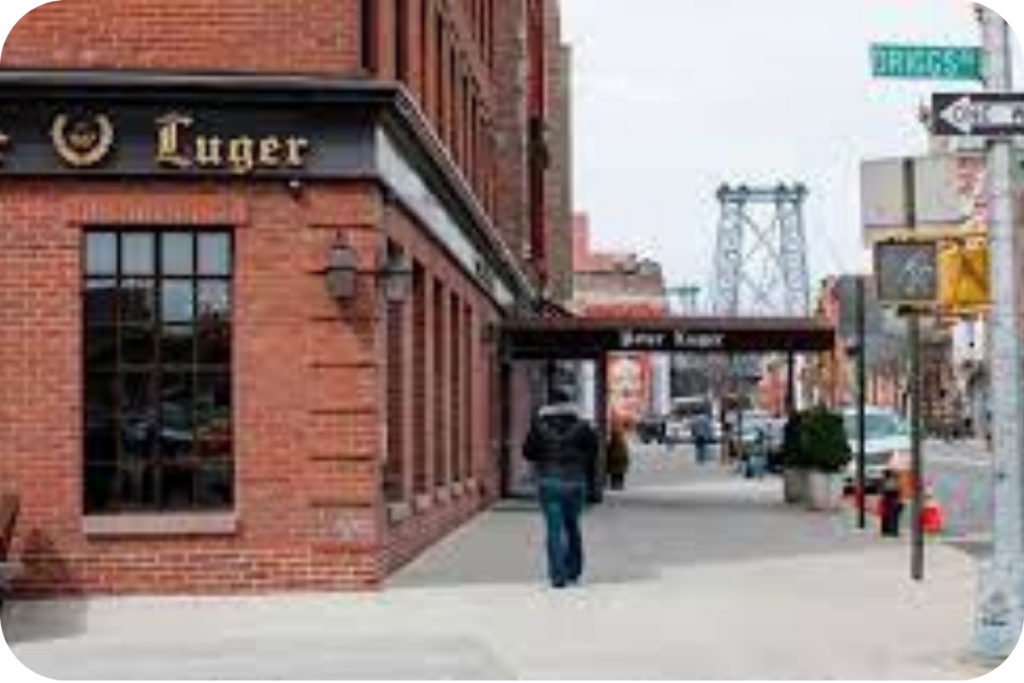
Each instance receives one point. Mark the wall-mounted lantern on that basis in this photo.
(341, 271)
(395, 274)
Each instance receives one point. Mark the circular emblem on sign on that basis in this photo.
(82, 141)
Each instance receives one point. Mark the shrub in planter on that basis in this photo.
(795, 485)
(823, 444)
(825, 451)
(795, 470)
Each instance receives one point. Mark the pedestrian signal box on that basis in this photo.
(964, 276)
(908, 273)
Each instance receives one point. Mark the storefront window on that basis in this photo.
(157, 372)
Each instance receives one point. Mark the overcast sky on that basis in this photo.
(675, 97)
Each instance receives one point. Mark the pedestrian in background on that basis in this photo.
(700, 430)
(618, 456)
(757, 460)
(728, 445)
(563, 448)
(890, 505)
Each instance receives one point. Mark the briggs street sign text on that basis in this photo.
(926, 62)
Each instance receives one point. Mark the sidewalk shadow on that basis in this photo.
(25, 621)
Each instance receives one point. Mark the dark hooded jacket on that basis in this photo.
(561, 445)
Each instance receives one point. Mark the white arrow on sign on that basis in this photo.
(966, 115)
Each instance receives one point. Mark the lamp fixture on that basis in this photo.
(394, 275)
(341, 271)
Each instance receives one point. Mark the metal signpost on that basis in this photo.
(908, 277)
(908, 273)
(997, 115)
(1000, 612)
(926, 62)
(862, 397)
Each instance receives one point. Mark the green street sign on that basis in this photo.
(926, 62)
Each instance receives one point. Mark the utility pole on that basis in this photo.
(916, 431)
(862, 391)
(1000, 611)
(916, 451)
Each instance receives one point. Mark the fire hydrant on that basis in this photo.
(931, 515)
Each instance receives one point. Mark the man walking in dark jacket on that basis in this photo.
(563, 449)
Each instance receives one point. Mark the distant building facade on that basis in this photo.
(832, 378)
(621, 285)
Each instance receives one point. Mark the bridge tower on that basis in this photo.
(761, 254)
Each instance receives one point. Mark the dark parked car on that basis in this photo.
(651, 429)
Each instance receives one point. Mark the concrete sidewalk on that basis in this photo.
(693, 574)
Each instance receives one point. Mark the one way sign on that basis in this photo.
(981, 114)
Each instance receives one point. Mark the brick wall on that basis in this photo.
(441, 51)
(305, 374)
(559, 175)
(511, 121)
(310, 396)
(270, 36)
(512, 74)
(613, 283)
(449, 467)
(617, 285)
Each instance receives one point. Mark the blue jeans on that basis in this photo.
(562, 501)
(757, 467)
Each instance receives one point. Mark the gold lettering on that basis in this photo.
(168, 143)
(270, 152)
(241, 155)
(208, 151)
(297, 148)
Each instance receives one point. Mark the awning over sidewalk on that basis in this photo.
(569, 338)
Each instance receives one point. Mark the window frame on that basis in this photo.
(199, 372)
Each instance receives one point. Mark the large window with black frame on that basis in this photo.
(157, 371)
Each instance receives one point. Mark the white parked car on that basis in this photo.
(754, 423)
(677, 431)
(886, 446)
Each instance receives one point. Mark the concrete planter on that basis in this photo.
(795, 486)
(825, 491)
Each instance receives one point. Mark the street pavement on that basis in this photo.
(693, 574)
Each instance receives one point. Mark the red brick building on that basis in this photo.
(832, 378)
(614, 283)
(533, 120)
(252, 263)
